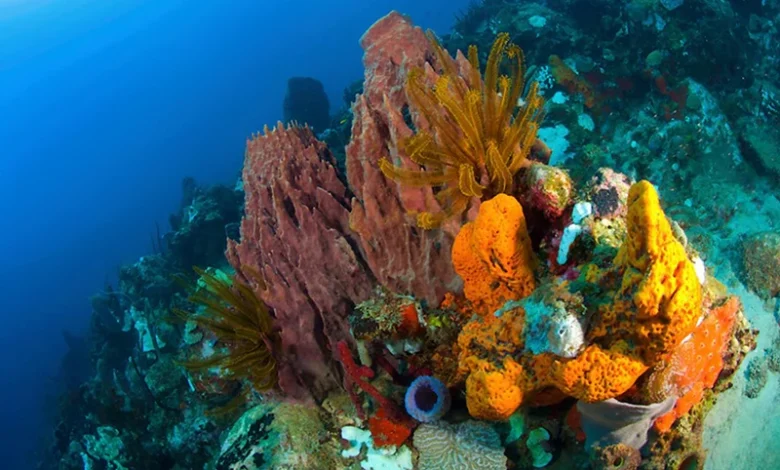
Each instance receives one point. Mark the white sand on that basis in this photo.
(743, 433)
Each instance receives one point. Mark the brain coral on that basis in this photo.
(470, 445)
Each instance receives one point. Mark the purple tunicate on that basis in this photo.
(427, 399)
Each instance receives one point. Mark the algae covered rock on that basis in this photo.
(283, 436)
(249, 444)
(761, 263)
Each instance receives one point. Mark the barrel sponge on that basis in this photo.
(659, 300)
(493, 255)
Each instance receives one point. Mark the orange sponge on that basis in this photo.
(495, 394)
(659, 300)
(595, 375)
(493, 255)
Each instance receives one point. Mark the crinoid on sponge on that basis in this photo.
(478, 137)
(493, 255)
(242, 326)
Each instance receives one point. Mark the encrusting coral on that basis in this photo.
(477, 140)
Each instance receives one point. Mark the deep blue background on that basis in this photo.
(104, 107)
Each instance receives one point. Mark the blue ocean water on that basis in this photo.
(104, 108)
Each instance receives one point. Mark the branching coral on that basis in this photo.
(241, 323)
(477, 140)
(390, 426)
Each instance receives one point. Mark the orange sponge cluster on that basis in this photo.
(500, 376)
(656, 302)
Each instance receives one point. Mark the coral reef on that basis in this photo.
(198, 236)
(761, 261)
(757, 375)
(656, 302)
(474, 291)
